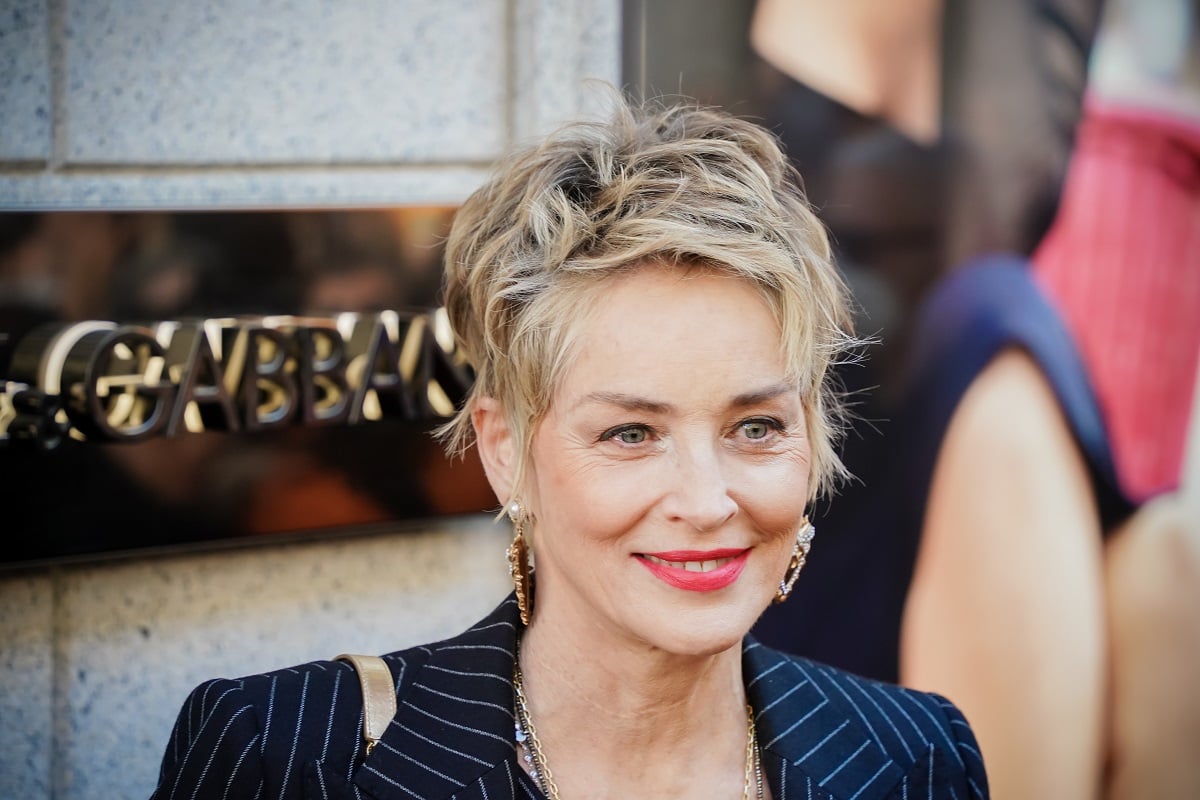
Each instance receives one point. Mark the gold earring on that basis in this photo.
(518, 562)
(804, 538)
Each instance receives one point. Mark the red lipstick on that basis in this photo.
(697, 570)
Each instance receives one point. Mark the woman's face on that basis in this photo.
(668, 478)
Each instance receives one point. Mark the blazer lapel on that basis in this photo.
(813, 742)
(453, 731)
(453, 728)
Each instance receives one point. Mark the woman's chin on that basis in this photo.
(696, 635)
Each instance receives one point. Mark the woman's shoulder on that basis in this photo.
(838, 726)
(324, 682)
(313, 676)
(236, 737)
(324, 675)
(282, 730)
(278, 731)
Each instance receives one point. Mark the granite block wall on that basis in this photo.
(25, 100)
(249, 103)
(26, 685)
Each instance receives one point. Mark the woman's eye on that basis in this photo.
(627, 434)
(632, 435)
(757, 428)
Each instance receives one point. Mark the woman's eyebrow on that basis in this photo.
(758, 396)
(628, 402)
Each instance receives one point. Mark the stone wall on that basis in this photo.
(245, 103)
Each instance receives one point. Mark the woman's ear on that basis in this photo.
(497, 448)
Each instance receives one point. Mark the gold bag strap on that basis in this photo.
(379, 695)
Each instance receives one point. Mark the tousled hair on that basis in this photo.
(648, 186)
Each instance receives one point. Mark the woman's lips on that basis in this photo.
(696, 570)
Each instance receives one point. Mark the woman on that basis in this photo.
(651, 311)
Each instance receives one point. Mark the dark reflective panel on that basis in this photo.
(194, 377)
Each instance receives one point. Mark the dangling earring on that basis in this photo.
(804, 539)
(518, 562)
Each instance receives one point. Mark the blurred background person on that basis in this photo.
(987, 508)
(1122, 263)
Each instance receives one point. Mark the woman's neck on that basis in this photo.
(620, 714)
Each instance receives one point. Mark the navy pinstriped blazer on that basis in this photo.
(297, 733)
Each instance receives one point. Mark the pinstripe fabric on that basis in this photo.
(296, 733)
(828, 734)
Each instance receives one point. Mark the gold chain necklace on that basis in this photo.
(535, 756)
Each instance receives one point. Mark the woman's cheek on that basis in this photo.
(775, 495)
(606, 499)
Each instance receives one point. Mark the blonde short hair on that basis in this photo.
(650, 185)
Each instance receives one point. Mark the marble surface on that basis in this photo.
(130, 639)
(26, 112)
(565, 53)
(26, 685)
(284, 81)
(285, 103)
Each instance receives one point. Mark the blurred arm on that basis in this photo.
(1005, 615)
(1152, 566)
(1153, 571)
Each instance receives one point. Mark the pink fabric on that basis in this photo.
(1122, 263)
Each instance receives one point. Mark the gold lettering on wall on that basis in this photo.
(101, 381)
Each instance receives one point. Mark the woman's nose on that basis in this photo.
(699, 492)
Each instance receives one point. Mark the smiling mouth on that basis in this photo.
(696, 570)
(691, 566)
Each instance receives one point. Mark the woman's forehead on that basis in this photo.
(653, 334)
